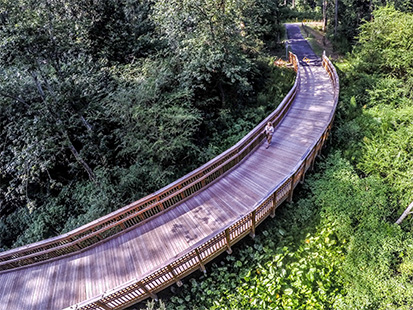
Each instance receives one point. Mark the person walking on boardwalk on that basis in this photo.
(269, 131)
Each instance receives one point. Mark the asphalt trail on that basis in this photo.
(300, 46)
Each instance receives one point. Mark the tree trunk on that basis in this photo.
(324, 15)
(371, 10)
(405, 213)
(335, 19)
(221, 91)
(75, 153)
(222, 6)
(57, 119)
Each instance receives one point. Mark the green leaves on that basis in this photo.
(387, 40)
(97, 111)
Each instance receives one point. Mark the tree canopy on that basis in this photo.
(104, 102)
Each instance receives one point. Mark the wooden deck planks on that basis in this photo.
(200, 228)
(7, 281)
(60, 287)
(69, 288)
(178, 243)
(88, 283)
(298, 123)
(319, 100)
(212, 213)
(312, 115)
(41, 297)
(281, 166)
(312, 107)
(138, 257)
(158, 252)
(151, 255)
(294, 146)
(240, 198)
(9, 297)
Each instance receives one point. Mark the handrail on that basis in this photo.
(210, 247)
(128, 217)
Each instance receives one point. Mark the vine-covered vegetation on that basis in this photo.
(337, 245)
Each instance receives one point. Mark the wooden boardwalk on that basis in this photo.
(128, 257)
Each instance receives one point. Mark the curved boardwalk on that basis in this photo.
(155, 243)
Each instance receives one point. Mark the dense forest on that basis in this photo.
(103, 102)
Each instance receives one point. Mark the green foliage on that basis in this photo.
(209, 38)
(388, 147)
(232, 125)
(387, 41)
(103, 104)
(375, 133)
(377, 250)
(376, 111)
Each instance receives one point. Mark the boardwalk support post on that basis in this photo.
(229, 250)
(252, 233)
(290, 196)
(201, 264)
(274, 204)
(312, 162)
(303, 174)
(171, 270)
(154, 296)
(102, 305)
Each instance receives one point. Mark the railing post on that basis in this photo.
(202, 179)
(143, 287)
(76, 244)
(182, 193)
(252, 233)
(121, 223)
(274, 204)
(228, 237)
(201, 264)
(314, 154)
(141, 216)
(159, 203)
(102, 305)
(177, 280)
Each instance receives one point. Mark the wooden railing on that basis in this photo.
(205, 250)
(131, 215)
